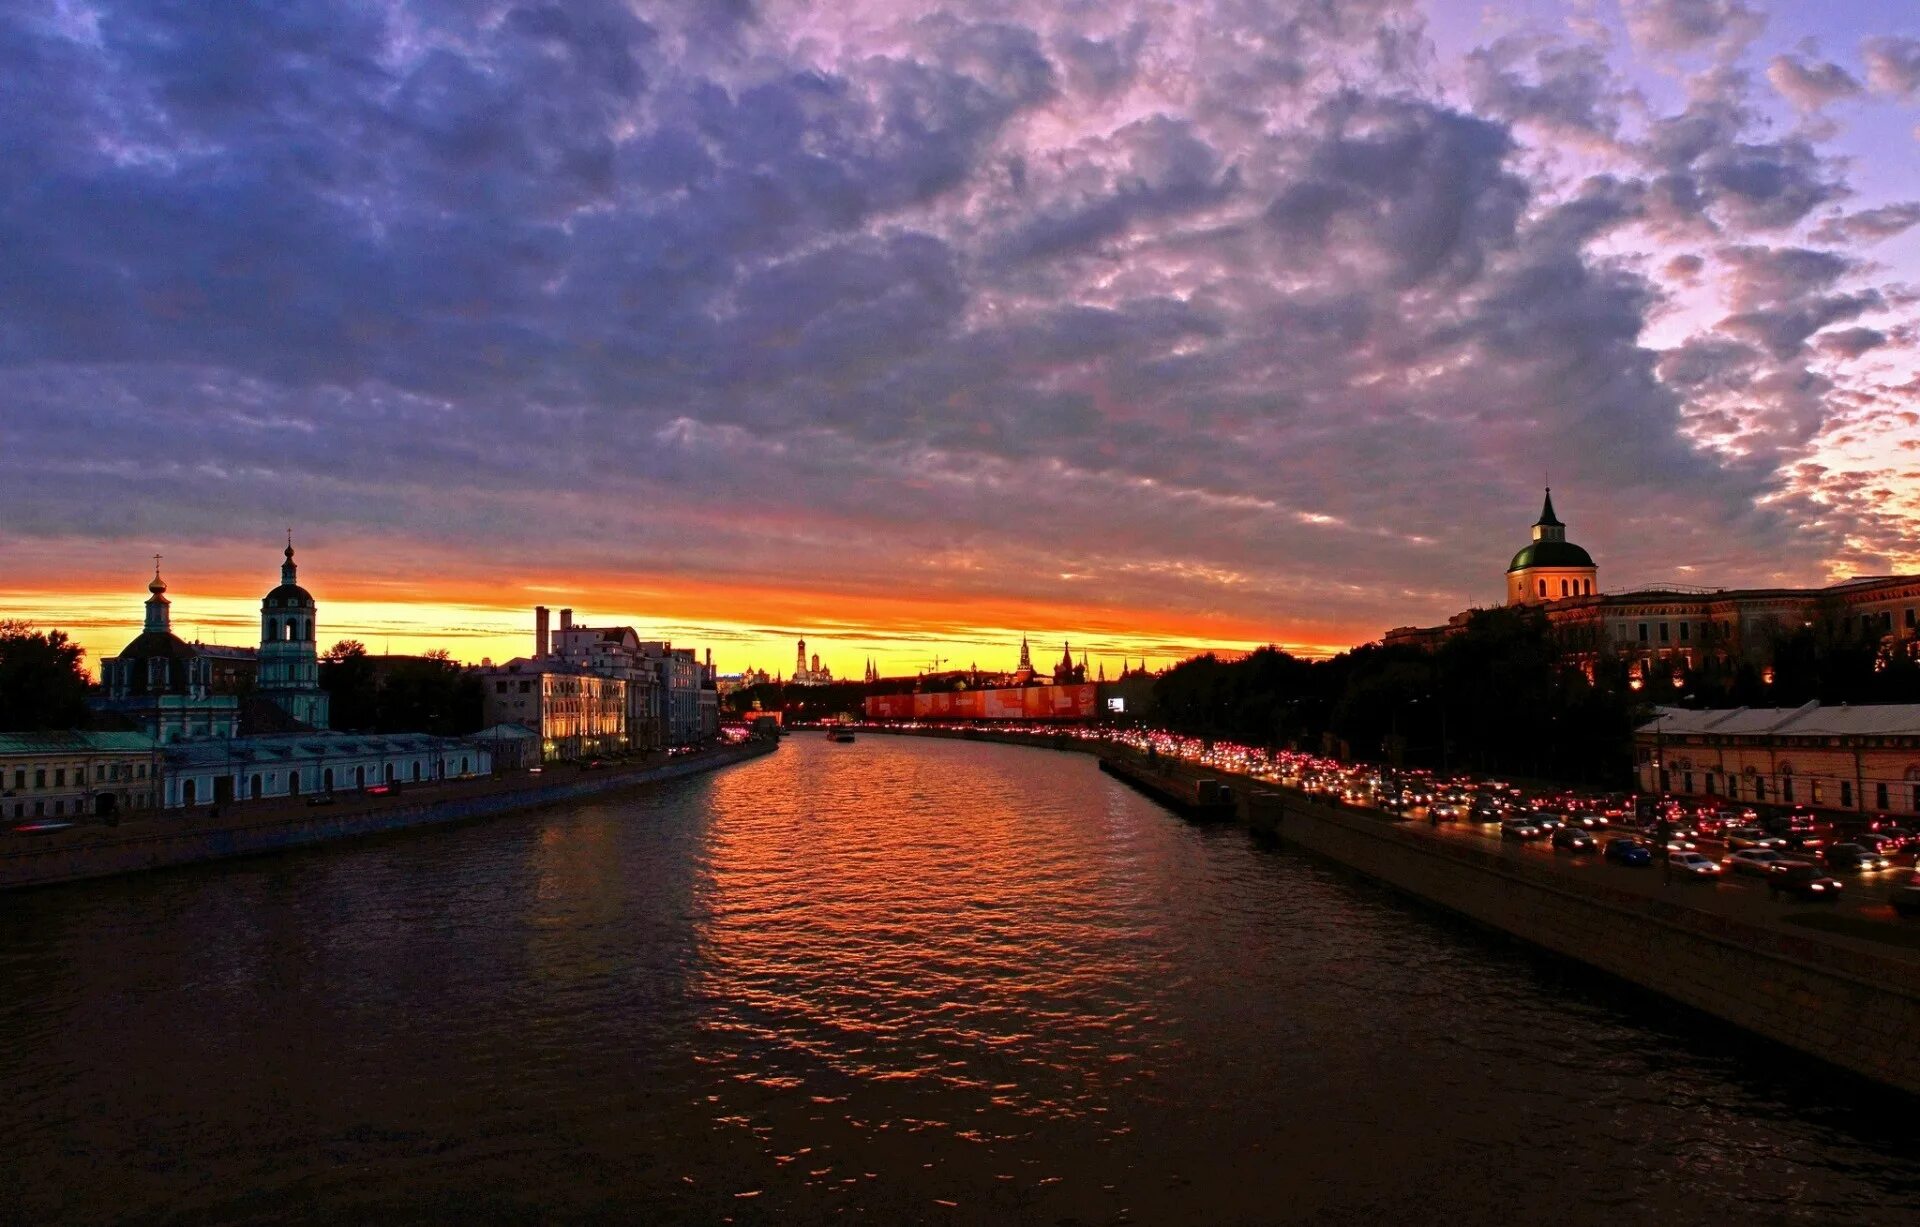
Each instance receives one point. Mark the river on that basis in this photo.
(895, 981)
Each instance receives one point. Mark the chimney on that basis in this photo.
(566, 619)
(709, 658)
(540, 632)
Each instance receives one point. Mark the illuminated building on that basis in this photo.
(576, 712)
(808, 672)
(1855, 759)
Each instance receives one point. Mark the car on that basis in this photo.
(1853, 858)
(1906, 895)
(1548, 820)
(41, 826)
(325, 798)
(1878, 844)
(1753, 837)
(1802, 880)
(1678, 842)
(1754, 861)
(1694, 866)
(1521, 830)
(1628, 852)
(1586, 819)
(1573, 839)
(1484, 810)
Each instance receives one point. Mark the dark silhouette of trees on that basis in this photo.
(42, 683)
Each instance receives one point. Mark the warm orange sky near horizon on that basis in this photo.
(746, 626)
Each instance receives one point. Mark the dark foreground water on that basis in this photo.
(896, 981)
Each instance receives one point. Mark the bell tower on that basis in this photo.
(289, 656)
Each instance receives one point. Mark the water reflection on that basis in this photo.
(894, 981)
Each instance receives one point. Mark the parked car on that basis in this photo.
(1694, 866)
(325, 798)
(1573, 839)
(1802, 880)
(1628, 852)
(1754, 861)
(1853, 858)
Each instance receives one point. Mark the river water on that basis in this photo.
(895, 981)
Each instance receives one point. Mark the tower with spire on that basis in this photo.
(1550, 567)
(1024, 674)
(162, 683)
(289, 655)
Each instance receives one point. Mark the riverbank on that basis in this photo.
(189, 837)
(1843, 1000)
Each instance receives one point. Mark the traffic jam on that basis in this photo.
(1791, 854)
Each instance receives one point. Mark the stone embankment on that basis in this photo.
(1854, 1008)
(250, 829)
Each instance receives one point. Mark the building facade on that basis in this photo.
(288, 765)
(577, 713)
(77, 775)
(615, 652)
(1848, 760)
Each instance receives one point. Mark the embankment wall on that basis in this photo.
(182, 840)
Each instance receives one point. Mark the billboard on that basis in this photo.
(1076, 702)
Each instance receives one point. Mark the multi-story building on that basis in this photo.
(77, 774)
(576, 712)
(682, 682)
(1852, 759)
(1668, 630)
(610, 651)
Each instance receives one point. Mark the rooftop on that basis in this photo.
(1810, 720)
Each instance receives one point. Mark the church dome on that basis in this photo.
(289, 596)
(1550, 554)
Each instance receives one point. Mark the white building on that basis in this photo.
(306, 764)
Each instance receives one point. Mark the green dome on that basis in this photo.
(1550, 554)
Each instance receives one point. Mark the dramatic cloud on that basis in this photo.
(1810, 85)
(1245, 317)
(1893, 64)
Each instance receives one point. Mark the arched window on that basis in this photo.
(389, 773)
(289, 630)
(186, 792)
(326, 780)
(360, 777)
(254, 786)
(293, 782)
(273, 630)
(1543, 587)
(463, 766)
(416, 771)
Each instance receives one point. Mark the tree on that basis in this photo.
(347, 675)
(42, 683)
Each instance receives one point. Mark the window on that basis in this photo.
(526, 687)
(59, 777)
(1664, 637)
(1563, 587)
(1786, 788)
(1846, 794)
(1880, 796)
(1684, 628)
(39, 777)
(19, 778)
(1909, 617)
(1643, 632)
(293, 782)
(1686, 781)
(1543, 587)
(499, 688)
(100, 772)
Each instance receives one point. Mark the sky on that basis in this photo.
(1153, 325)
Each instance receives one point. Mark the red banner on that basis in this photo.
(1078, 702)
